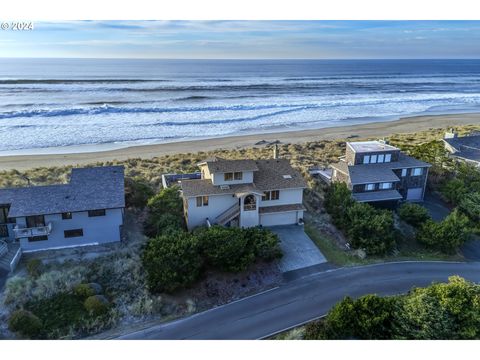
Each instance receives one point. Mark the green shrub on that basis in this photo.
(97, 305)
(447, 235)
(315, 330)
(470, 206)
(227, 249)
(34, 267)
(165, 211)
(370, 229)
(25, 324)
(413, 214)
(172, 261)
(454, 190)
(137, 192)
(265, 243)
(86, 290)
(338, 199)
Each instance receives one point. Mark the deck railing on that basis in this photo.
(22, 232)
(228, 214)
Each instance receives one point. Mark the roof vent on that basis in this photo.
(224, 187)
(287, 176)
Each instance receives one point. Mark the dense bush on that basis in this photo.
(338, 199)
(137, 192)
(370, 229)
(447, 235)
(440, 311)
(25, 324)
(86, 290)
(413, 214)
(165, 212)
(454, 190)
(96, 305)
(265, 243)
(34, 267)
(465, 182)
(470, 206)
(172, 261)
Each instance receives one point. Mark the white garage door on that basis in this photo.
(286, 218)
(414, 194)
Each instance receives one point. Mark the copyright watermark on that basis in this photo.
(17, 25)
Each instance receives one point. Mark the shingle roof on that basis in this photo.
(368, 173)
(280, 208)
(275, 174)
(220, 165)
(382, 195)
(467, 147)
(89, 189)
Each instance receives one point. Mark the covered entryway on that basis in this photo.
(415, 194)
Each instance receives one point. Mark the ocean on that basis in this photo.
(50, 103)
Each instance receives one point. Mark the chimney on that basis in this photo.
(275, 151)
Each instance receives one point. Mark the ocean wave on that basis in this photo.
(75, 81)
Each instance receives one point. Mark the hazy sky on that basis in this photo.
(245, 39)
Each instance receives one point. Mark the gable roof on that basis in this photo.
(219, 165)
(89, 189)
(466, 147)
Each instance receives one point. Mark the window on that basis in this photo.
(385, 186)
(35, 221)
(37, 238)
(73, 233)
(93, 213)
(202, 201)
(66, 216)
(373, 159)
(381, 158)
(366, 159)
(3, 215)
(369, 187)
(249, 203)
(404, 172)
(417, 171)
(271, 195)
(388, 157)
(228, 176)
(238, 175)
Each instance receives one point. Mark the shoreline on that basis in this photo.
(372, 129)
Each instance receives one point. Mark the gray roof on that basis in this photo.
(467, 147)
(220, 165)
(274, 174)
(280, 208)
(383, 172)
(382, 195)
(89, 189)
(370, 146)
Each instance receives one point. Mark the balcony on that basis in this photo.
(23, 232)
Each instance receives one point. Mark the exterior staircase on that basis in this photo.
(10, 254)
(229, 214)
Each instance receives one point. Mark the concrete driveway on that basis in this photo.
(299, 251)
(437, 208)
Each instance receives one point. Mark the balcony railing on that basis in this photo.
(22, 232)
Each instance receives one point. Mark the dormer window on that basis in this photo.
(230, 176)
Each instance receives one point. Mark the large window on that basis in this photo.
(202, 201)
(271, 195)
(73, 233)
(93, 213)
(35, 221)
(417, 171)
(388, 157)
(373, 159)
(233, 176)
(238, 175)
(366, 159)
(228, 176)
(381, 158)
(369, 187)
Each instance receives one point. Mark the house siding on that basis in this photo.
(217, 204)
(218, 179)
(96, 230)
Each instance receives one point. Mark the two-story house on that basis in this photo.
(244, 193)
(88, 210)
(376, 171)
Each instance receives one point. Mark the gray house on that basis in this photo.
(86, 211)
(376, 171)
(465, 148)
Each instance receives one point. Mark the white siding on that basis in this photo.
(218, 179)
(217, 204)
(96, 230)
(286, 197)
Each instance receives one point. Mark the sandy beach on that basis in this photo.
(368, 130)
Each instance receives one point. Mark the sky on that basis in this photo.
(245, 39)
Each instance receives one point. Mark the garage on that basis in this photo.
(280, 218)
(414, 194)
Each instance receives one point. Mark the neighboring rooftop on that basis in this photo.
(466, 147)
(217, 164)
(370, 146)
(89, 189)
(274, 174)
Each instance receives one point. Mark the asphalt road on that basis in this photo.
(304, 299)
